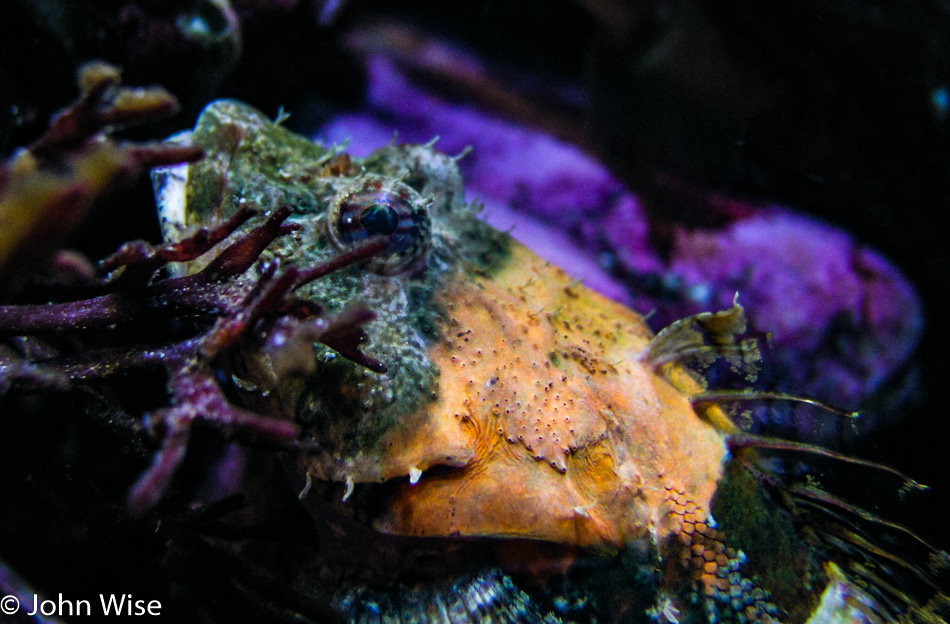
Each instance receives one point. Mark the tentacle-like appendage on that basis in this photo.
(851, 537)
(727, 396)
(739, 441)
(819, 499)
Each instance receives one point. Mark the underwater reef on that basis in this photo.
(137, 440)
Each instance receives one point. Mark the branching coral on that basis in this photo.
(49, 188)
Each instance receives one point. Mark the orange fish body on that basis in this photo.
(516, 407)
(571, 437)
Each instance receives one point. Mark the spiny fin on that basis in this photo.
(809, 493)
(701, 339)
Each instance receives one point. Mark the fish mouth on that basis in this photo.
(350, 530)
(544, 422)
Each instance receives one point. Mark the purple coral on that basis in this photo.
(823, 296)
(843, 320)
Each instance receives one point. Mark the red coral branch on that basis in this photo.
(241, 255)
(234, 312)
(102, 105)
(48, 189)
(196, 396)
(139, 260)
(206, 293)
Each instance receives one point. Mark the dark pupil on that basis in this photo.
(379, 219)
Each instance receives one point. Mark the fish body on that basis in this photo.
(519, 412)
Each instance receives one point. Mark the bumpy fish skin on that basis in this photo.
(516, 403)
(253, 160)
(498, 365)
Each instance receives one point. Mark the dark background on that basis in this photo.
(837, 108)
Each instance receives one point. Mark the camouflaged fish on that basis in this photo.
(515, 447)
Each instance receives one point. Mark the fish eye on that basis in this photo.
(375, 207)
(379, 219)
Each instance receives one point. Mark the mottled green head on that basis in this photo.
(410, 194)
